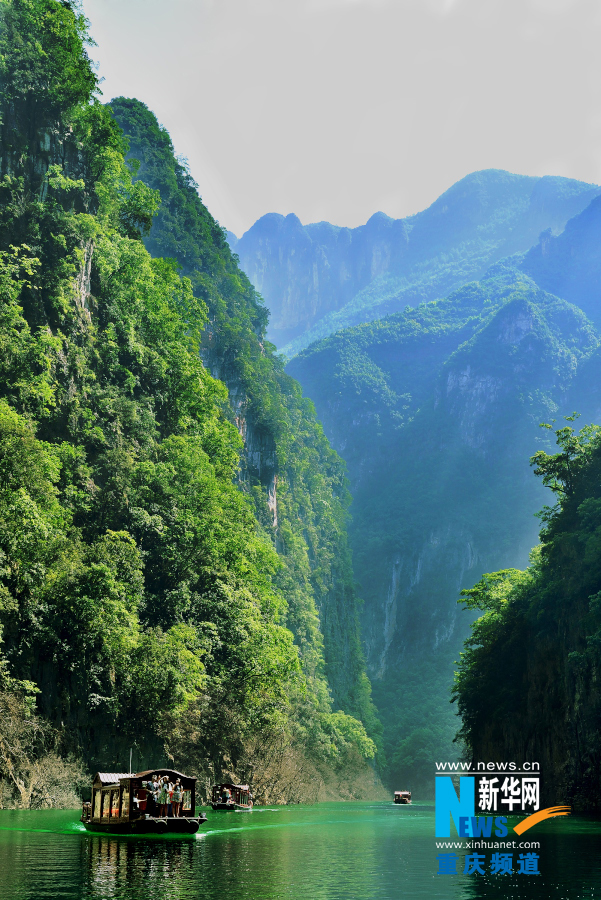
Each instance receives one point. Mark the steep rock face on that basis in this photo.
(396, 628)
(473, 435)
(308, 272)
(259, 458)
(319, 278)
(437, 412)
(553, 723)
(516, 354)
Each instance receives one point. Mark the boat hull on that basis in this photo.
(151, 825)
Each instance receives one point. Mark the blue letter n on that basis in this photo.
(449, 806)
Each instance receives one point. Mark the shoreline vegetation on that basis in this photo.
(527, 685)
(174, 567)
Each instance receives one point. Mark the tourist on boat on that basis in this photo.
(169, 804)
(149, 797)
(226, 795)
(176, 798)
(154, 786)
(163, 798)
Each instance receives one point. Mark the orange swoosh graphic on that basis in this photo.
(540, 816)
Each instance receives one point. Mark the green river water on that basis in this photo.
(335, 851)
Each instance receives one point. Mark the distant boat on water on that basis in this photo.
(402, 797)
(229, 797)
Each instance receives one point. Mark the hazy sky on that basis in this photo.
(334, 109)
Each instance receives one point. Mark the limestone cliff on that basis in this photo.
(319, 278)
(307, 272)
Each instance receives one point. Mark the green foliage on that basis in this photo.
(493, 590)
(560, 471)
(532, 659)
(142, 580)
(348, 732)
(45, 70)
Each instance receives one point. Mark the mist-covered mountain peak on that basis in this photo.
(319, 278)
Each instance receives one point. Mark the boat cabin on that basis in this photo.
(229, 795)
(402, 796)
(121, 798)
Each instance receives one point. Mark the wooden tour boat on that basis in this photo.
(229, 797)
(124, 804)
(402, 796)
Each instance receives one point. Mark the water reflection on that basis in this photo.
(329, 852)
(274, 859)
(119, 868)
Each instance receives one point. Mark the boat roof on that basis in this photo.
(161, 772)
(241, 787)
(111, 777)
(106, 778)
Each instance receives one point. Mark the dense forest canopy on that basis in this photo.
(174, 570)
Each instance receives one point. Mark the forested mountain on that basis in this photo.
(436, 411)
(318, 279)
(295, 479)
(174, 572)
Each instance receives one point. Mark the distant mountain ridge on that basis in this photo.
(320, 278)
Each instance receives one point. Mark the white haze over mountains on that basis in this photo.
(333, 109)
